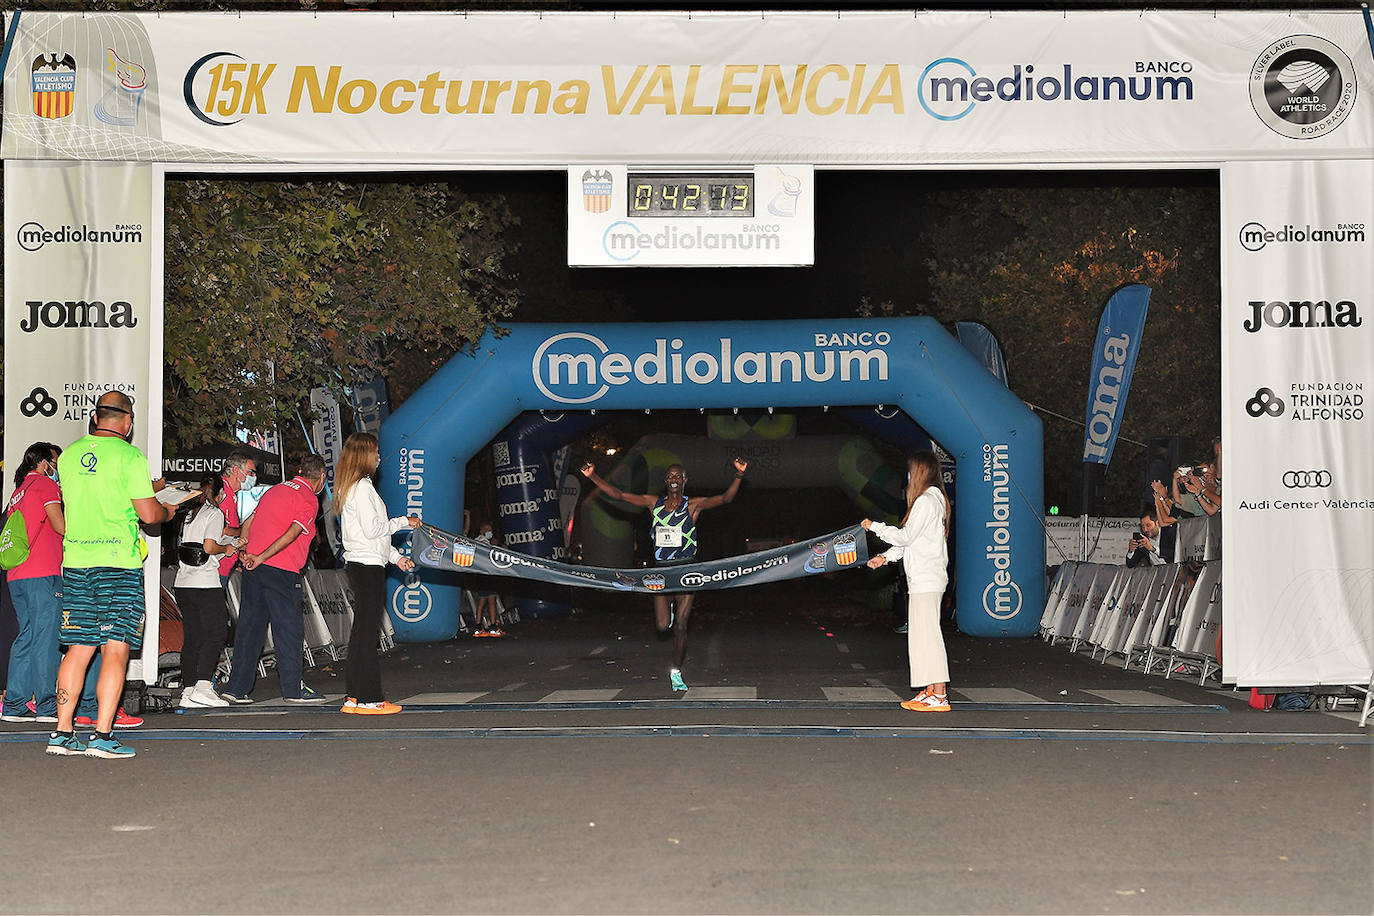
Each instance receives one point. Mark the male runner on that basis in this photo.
(674, 529)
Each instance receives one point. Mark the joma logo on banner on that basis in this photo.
(77, 314)
(1302, 314)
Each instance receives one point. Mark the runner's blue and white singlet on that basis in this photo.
(674, 533)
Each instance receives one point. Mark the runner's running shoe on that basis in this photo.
(60, 745)
(675, 678)
(109, 748)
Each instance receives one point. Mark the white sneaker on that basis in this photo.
(206, 695)
(190, 699)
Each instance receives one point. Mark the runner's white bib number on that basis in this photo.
(667, 537)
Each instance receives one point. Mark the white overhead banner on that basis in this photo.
(83, 242)
(868, 89)
(1298, 370)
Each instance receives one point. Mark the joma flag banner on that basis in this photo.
(846, 549)
(1114, 353)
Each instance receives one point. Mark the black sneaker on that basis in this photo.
(27, 715)
(308, 697)
(236, 699)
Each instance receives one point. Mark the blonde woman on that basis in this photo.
(921, 543)
(367, 545)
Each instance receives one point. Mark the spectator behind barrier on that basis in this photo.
(1201, 484)
(1146, 547)
(488, 621)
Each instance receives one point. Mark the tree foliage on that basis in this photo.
(274, 288)
(1036, 265)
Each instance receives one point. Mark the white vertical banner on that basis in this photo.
(327, 433)
(1297, 368)
(327, 430)
(83, 314)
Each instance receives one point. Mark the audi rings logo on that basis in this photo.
(412, 604)
(1265, 402)
(38, 401)
(1306, 480)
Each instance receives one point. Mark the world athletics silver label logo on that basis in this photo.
(1302, 87)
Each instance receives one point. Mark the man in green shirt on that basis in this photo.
(106, 492)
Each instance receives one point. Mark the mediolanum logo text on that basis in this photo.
(1255, 236)
(32, 235)
(579, 368)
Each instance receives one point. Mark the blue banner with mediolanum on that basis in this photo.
(910, 364)
(1114, 353)
(839, 550)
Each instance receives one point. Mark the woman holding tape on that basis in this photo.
(921, 544)
(367, 546)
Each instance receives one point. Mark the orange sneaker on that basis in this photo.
(927, 702)
(383, 708)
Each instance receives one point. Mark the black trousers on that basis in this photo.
(204, 625)
(362, 673)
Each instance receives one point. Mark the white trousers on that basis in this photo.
(925, 645)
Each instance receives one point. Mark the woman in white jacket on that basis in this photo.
(367, 546)
(921, 544)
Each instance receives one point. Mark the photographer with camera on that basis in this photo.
(1197, 486)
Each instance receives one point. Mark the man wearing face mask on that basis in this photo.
(278, 547)
(240, 473)
(36, 588)
(107, 493)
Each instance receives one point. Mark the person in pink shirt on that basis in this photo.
(240, 473)
(278, 547)
(36, 588)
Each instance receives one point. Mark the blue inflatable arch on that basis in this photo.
(912, 363)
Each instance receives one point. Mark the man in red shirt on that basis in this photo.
(278, 546)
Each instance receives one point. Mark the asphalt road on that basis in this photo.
(554, 771)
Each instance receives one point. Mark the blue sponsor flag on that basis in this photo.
(1368, 28)
(1118, 343)
(979, 341)
(370, 407)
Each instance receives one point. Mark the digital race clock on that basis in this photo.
(673, 214)
(651, 194)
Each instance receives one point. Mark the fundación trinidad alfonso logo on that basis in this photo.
(597, 185)
(54, 85)
(1302, 87)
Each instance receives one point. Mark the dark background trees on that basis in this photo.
(274, 287)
